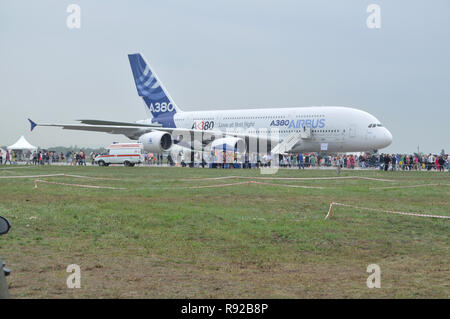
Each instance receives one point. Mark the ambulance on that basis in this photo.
(128, 154)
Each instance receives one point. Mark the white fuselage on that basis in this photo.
(341, 129)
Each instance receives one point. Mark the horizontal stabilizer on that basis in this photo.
(33, 125)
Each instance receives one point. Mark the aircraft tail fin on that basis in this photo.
(148, 86)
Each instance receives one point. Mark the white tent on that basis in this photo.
(22, 144)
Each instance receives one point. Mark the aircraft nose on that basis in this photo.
(386, 137)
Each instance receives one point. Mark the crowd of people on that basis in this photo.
(414, 162)
(154, 159)
(382, 161)
(44, 157)
(230, 159)
(314, 160)
(9, 156)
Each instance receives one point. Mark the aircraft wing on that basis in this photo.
(132, 132)
(101, 122)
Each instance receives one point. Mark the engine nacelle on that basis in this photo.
(156, 141)
(229, 144)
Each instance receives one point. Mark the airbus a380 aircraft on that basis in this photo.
(302, 129)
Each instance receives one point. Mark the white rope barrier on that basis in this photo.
(285, 185)
(330, 211)
(36, 181)
(217, 185)
(253, 182)
(409, 186)
(57, 175)
(30, 176)
(248, 183)
(289, 178)
(91, 177)
(207, 178)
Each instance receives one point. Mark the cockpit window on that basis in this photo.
(375, 125)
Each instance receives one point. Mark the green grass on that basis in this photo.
(159, 238)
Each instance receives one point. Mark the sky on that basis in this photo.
(212, 54)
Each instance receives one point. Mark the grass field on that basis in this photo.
(161, 239)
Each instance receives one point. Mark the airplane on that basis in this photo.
(328, 129)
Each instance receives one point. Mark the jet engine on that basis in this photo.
(156, 141)
(229, 144)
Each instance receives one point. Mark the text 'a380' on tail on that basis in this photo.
(155, 96)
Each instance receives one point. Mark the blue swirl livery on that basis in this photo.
(148, 86)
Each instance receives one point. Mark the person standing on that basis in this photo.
(7, 158)
(30, 158)
(361, 161)
(416, 162)
(246, 160)
(1, 157)
(339, 164)
(387, 160)
(68, 157)
(300, 161)
(441, 163)
(430, 162)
